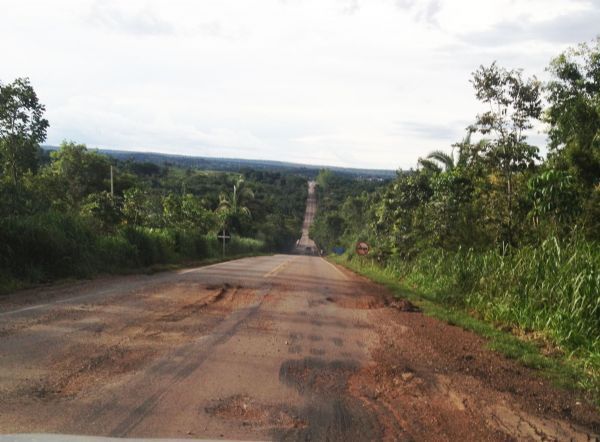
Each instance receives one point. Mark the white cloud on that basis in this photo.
(346, 82)
(136, 20)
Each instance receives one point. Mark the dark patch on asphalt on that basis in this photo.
(315, 338)
(317, 375)
(338, 342)
(404, 305)
(331, 413)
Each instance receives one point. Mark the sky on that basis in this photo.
(354, 83)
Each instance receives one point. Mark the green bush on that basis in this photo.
(114, 253)
(48, 246)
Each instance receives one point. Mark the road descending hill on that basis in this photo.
(286, 347)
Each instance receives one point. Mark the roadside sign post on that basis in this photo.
(224, 235)
(362, 249)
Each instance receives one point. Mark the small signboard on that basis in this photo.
(362, 248)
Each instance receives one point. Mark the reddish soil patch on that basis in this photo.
(253, 413)
(82, 366)
(432, 381)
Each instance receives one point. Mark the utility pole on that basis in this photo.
(112, 186)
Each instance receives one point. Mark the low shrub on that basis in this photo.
(48, 246)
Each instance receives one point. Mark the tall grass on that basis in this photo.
(48, 246)
(553, 288)
(550, 292)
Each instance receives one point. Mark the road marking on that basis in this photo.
(275, 270)
(201, 268)
(33, 307)
(59, 301)
(278, 268)
(198, 269)
(336, 269)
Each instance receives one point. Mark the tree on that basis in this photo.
(195, 215)
(22, 128)
(466, 153)
(513, 103)
(81, 171)
(574, 112)
(399, 216)
(554, 198)
(232, 206)
(136, 207)
(437, 160)
(103, 208)
(186, 212)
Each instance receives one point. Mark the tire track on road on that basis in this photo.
(201, 349)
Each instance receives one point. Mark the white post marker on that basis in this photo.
(224, 235)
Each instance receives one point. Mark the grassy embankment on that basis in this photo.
(538, 305)
(52, 246)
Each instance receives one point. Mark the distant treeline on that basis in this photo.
(239, 165)
(492, 227)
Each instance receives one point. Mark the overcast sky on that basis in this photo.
(362, 83)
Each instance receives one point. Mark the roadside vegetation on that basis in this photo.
(61, 214)
(491, 227)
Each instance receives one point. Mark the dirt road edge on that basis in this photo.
(559, 369)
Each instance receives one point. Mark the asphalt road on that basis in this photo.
(286, 347)
(158, 356)
(305, 244)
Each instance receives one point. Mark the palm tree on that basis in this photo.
(232, 206)
(438, 161)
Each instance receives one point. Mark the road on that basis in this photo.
(306, 245)
(285, 347)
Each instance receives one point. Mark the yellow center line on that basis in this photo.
(278, 268)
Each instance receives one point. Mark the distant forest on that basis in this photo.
(238, 165)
